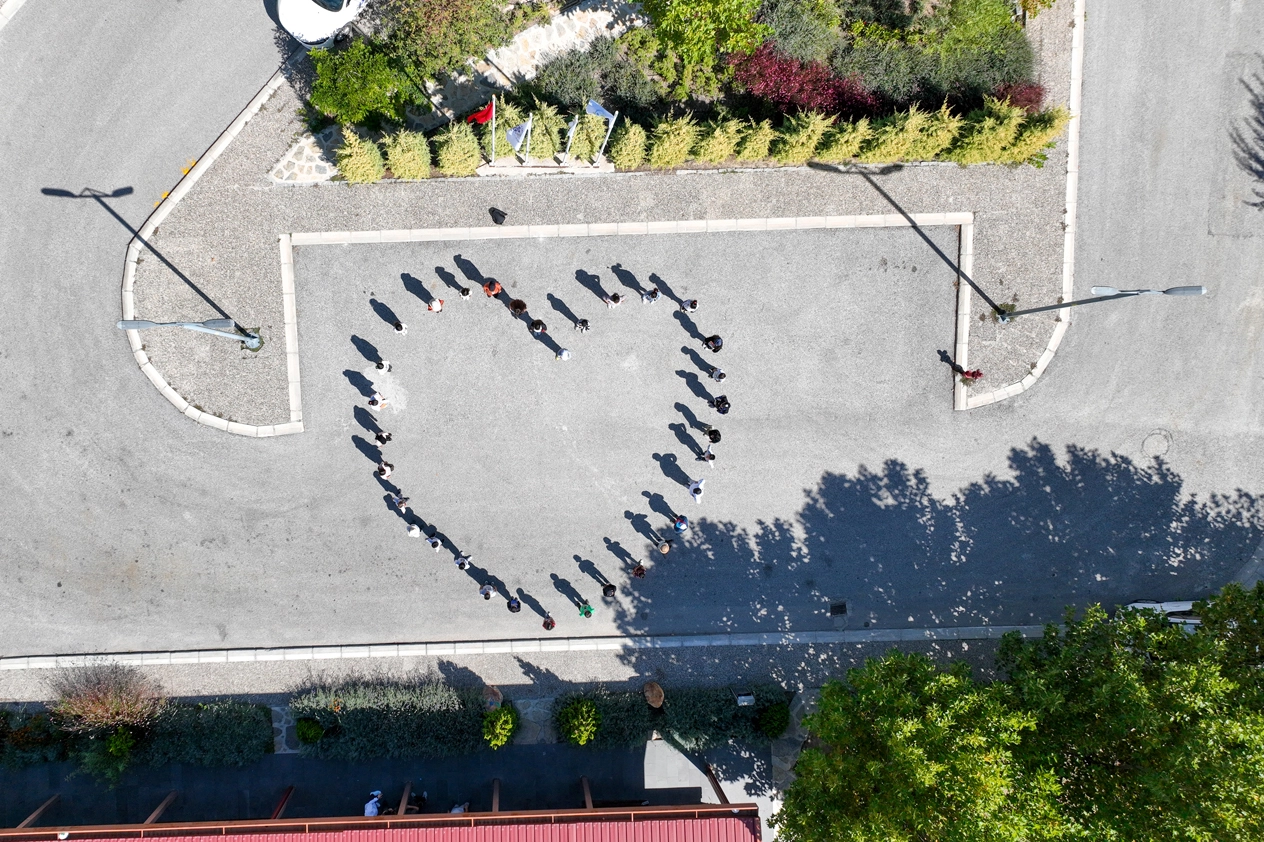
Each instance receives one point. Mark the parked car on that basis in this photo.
(1178, 613)
(315, 23)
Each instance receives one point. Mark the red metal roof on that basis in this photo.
(726, 829)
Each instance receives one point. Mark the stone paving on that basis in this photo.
(311, 159)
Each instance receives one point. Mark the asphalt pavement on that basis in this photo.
(128, 527)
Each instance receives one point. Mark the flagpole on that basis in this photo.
(609, 131)
(493, 129)
(566, 156)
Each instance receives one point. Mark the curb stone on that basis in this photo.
(9, 8)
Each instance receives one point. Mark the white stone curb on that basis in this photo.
(961, 353)
(1068, 245)
(291, 329)
(129, 280)
(608, 229)
(498, 647)
(8, 10)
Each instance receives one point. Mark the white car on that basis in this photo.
(1179, 613)
(314, 23)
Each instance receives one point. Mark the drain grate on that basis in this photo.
(838, 609)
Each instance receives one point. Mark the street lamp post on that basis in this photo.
(1104, 294)
(215, 327)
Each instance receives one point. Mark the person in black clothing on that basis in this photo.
(714, 343)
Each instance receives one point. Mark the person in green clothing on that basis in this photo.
(585, 609)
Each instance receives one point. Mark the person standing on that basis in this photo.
(538, 327)
(608, 590)
(517, 307)
(465, 293)
(650, 296)
(717, 374)
(382, 438)
(720, 404)
(585, 609)
(639, 571)
(695, 490)
(383, 365)
(562, 355)
(400, 327)
(434, 542)
(712, 433)
(400, 503)
(707, 456)
(582, 326)
(414, 531)
(487, 590)
(613, 300)
(385, 469)
(665, 546)
(463, 562)
(681, 524)
(374, 805)
(377, 400)
(549, 622)
(714, 343)
(514, 604)
(491, 288)
(435, 305)
(689, 306)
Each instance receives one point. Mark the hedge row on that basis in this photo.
(999, 133)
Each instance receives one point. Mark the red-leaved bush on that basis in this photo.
(793, 85)
(1026, 95)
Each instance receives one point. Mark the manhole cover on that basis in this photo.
(1157, 443)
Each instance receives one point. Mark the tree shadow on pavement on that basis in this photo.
(1087, 528)
(1248, 138)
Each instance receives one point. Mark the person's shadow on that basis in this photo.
(367, 421)
(544, 339)
(417, 288)
(560, 306)
(588, 567)
(671, 468)
(689, 326)
(369, 451)
(690, 417)
(696, 358)
(532, 603)
(627, 278)
(448, 278)
(618, 550)
(658, 504)
(468, 269)
(590, 282)
(682, 436)
(566, 589)
(367, 349)
(359, 382)
(384, 313)
(695, 385)
(641, 523)
(665, 289)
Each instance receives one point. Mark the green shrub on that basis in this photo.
(987, 133)
(457, 150)
(508, 115)
(359, 159)
(30, 739)
(368, 718)
(500, 724)
(1034, 7)
(700, 718)
(104, 697)
(672, 141)
(842, 143)
(774, 720)
(699, 30)
(220, 733)
(589, 135)
(602, 73)
(353, 84)
(913, 135)
(756, 141)
(428, 36)
(308, 731)
(803, 29)
(799, 137)
(578, 721)
(547, 127)
(107, 756)
(627, 147)
(408, 154)
(720, 141)
(1037, 133)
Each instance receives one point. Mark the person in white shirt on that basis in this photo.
(374, 805)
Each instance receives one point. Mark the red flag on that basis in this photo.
(484, 114)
